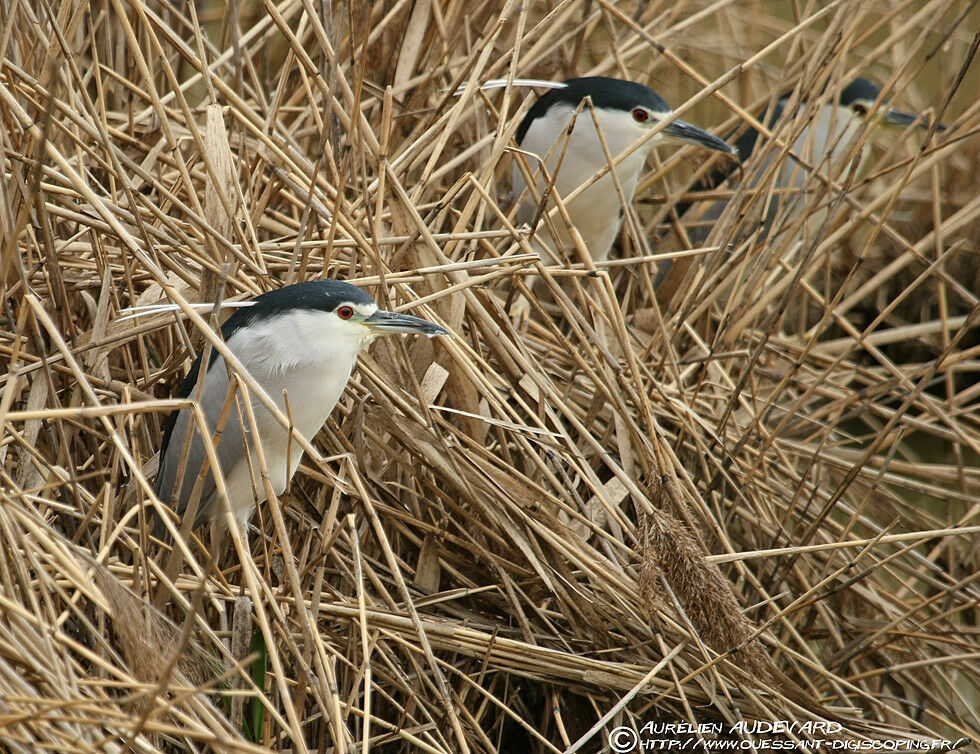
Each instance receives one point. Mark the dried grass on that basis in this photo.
(755, 498)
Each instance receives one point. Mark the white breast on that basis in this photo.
(597, 212)
(308, 356)
(829, 139)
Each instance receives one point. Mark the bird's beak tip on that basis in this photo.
(686, 132)
(384, 322)
(899, 119)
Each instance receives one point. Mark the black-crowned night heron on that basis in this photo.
(823, 143)
(826, 139)
(302, 340)
(625, 112)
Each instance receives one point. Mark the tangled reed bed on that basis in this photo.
(755, 499)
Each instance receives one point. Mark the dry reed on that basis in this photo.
(754, 498)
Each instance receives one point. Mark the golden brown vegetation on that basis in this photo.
(756, 500)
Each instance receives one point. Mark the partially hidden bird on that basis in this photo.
(829, 135)
(826, 138)
(625, 112)
(300, 343)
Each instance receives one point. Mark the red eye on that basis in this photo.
(859, 109)
(640, 115)
(345, 312)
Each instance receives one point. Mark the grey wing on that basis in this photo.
(231, 447)
(528, 207)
